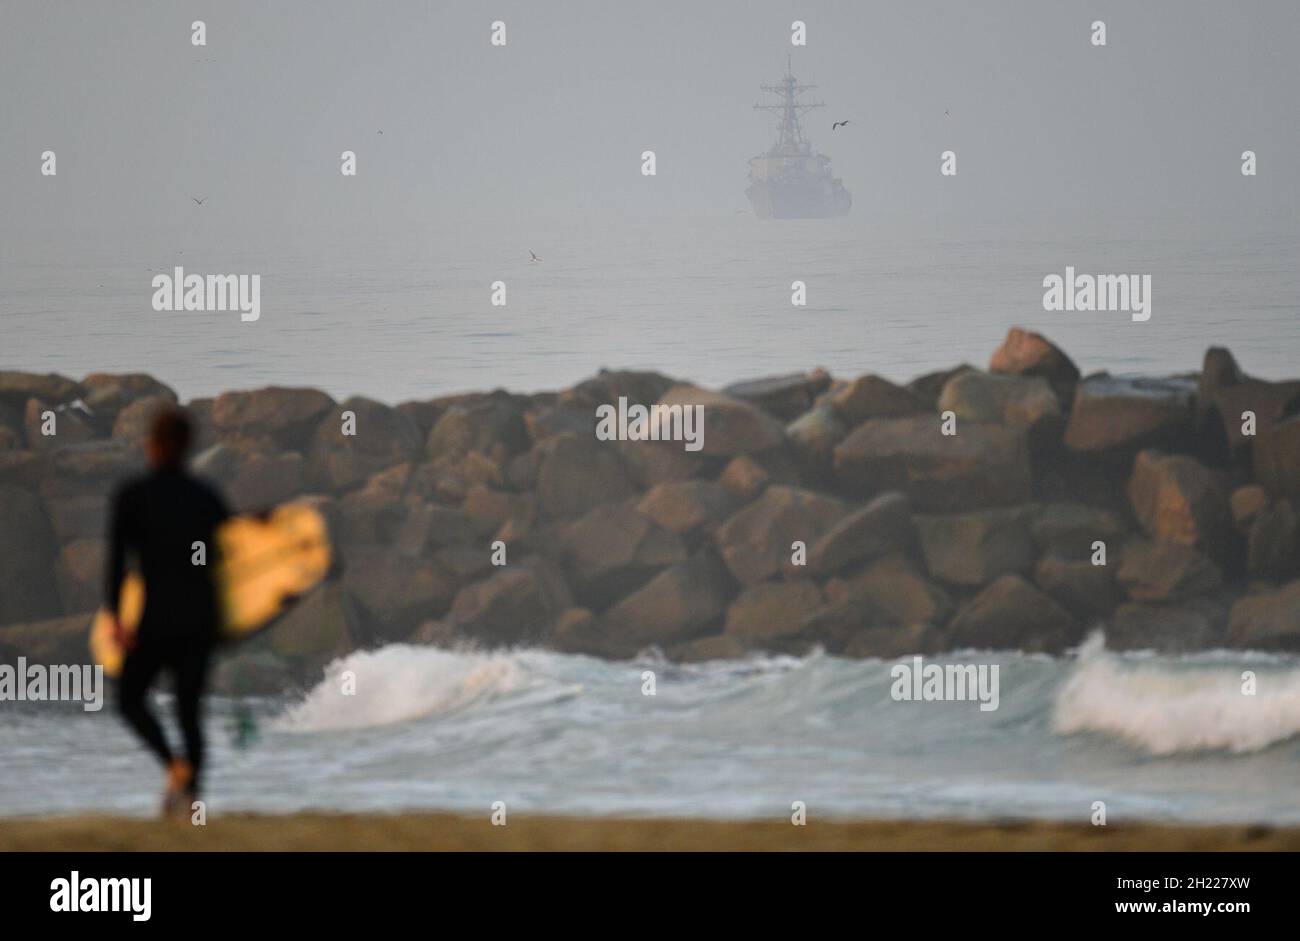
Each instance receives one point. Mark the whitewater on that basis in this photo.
(1154, 737)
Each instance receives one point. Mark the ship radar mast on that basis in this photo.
(790, 137)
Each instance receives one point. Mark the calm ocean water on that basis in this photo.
(1154, 737)
(408, 315)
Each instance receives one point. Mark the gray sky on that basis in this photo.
(1044, 124)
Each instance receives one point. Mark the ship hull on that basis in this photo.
(814, 199)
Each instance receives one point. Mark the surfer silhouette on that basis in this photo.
(164, 521)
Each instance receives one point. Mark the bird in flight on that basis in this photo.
(533, 259)
(199, 201)
(945, 112)
(838, 124)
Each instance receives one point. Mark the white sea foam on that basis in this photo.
(399, 683)
(1167, 708)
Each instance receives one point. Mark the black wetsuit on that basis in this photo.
(156, 519)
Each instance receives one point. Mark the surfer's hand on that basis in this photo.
(125, 639)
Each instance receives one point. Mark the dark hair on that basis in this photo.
(169, 433)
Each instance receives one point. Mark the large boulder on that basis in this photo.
(68, 424)
(1085, 590)
(1024, 401)
(73, 517)
(982, 465)
(1011, 614)
(1024, 353)
(608, 386)
(614, 549)
(1273, 543)
(1166, 571)
(17, 387)
(814, 435)
(882, 526)
(681, 602)
(94, 468)
(1123, 414)
(263, 480)
(769, 615)
(28, 586)
(929, 387)
(1176, 499)
(287, 417)
(683, 506)
(1267, 620)
(1178, 628)
(577, 473)
(1225, 394)
(517, 605)
(80, 574)
(394, 592)
(107, 394)
(971, 549)
(1246, 503)
(1277, 458)
(132, 421)
(892, 586)
(1070, 529)
(871, 396)
(379, 437)
(493, 426)
(756, 543)
(317, 628)
(731, 425)
(59, 641)
(784, 397)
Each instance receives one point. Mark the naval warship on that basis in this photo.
(791, 180)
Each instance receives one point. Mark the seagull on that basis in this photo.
(945, 112)
(838, 124)
(379, 132)
(534, 259)
(199, 201)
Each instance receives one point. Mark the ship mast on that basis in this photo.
(789, 131)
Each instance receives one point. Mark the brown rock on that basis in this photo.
(1024, 401)
(1024, 353)
(517, 605)
(679, 603)
(974, 548)
(1176, 499)
(606, 388)
(756, 543)
(731, 425)
(980, 466)
(106, 394)
(493, 425)
(28, 589)
(815, 433)
(1246, 502)
(263, 480)
(1122, 414)
(1277, 458)
(1088, 591)
(1177, 628)
(882, 526)
(744, 477)
(577, 474)
(1268, 620)
(893, 586)
(74, 517)
(712, 647)
(784, 397)
(929, 386)
(17, 387)
(1166, 571)
(131, 425)
(873, 397)
(59, 641)
(1070, 529)
(92, 468)
(81, 574)
(317, 628)
(769, 614)
(288, 417)
(393, 592)
(681, 506)
(1273, 546)
(1011, 614)
(71, 425)
(381, 438)
(613, 550)
(654, 462)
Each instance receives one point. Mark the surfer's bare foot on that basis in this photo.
(179, 790)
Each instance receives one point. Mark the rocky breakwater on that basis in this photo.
(1013, 507)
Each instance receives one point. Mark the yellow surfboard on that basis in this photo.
(266, 562)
